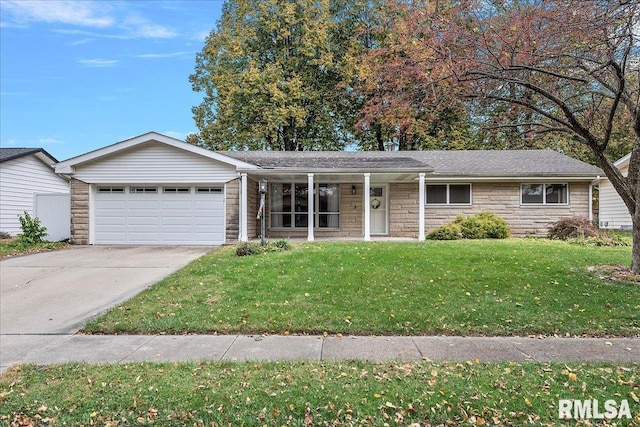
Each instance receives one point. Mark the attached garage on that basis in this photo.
(159, 214)
(152, 190)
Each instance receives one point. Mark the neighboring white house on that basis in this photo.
(27, 175)
(613, 213)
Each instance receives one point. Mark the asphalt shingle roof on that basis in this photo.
(326, 159)
(14, 153)
(482, 163)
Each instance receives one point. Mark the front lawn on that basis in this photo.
(510, 287)
(306, 394)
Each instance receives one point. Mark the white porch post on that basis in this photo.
(421, 207)
(311, 199)
(367, 207)
(243, 208)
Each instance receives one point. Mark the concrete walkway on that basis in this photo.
(47, 349)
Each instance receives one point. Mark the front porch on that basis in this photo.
(342, 206)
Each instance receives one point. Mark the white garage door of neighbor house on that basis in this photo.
(163, 215)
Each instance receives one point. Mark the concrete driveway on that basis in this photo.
(55, 293)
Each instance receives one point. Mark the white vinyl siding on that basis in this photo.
(613, 212)
(156, 217)
(20, 180)
(155, 163)
(54, 212)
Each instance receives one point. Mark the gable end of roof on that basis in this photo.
(7, 154)
(67, 166)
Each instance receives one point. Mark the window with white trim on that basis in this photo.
(110, 189)
(203, 190)
(544, 194)
(176, 190)
(448, 194)
(143, 189)
(289, 205)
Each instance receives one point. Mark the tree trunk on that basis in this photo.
(379, 139)
(402, 139)
(288, 139)
(635, 254)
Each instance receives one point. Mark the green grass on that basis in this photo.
(284, 394)
(12, 247)
(510, 287)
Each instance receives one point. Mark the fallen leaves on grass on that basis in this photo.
(308, 394)
(615, 273)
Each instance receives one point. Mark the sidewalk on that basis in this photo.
(47, 349)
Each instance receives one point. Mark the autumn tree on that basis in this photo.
(400, 102)
(569, 68)
(356, 33)
(268, 73)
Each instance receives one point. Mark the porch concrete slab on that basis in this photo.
(89, 349)
(580, 349)
(370, 348)
(469, 348)
(178, 348)
(275, 347)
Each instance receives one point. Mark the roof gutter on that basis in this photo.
(332, 171)
(511, 178)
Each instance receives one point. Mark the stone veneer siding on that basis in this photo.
(79, 212)
(253, 201)
(501, 198)
(233, 209)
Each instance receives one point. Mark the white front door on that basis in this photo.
(378, 201)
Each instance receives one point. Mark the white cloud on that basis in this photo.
(81, 42)
(162, 55)
(152, 31)
(200, 36)
(99, 63)
(49, 141)
(85, 13)
(98, 15)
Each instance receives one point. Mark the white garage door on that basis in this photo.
(163, 214)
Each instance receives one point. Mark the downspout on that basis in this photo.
(594, 182)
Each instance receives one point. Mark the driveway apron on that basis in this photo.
(54, 293)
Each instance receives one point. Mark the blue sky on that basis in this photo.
(79, 75)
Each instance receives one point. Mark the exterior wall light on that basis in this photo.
(262, 186)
